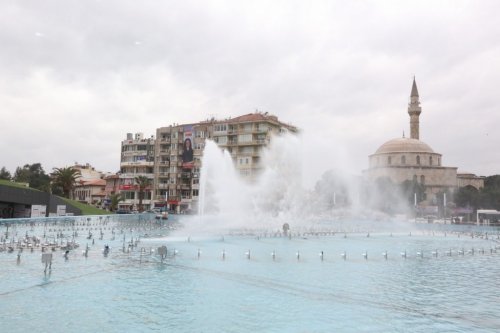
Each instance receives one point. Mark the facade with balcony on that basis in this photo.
(179, 150)
(137, 159)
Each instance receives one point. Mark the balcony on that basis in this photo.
(163, 185)
(186, 175)
(137, 163)
(246, 154)
(133, 187)
(134, 153)
(253, 142)
(133, 175)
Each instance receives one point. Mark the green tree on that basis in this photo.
(65, 179)
(5, 174)
(489, 197)
(143, 182)
(34, 175)
(467, 197)
(115, 199)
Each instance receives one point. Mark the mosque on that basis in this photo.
(411, 159)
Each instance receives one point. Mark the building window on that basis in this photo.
(439, 161)
(422, 179)
(418, 160)
(414, 178)
(389, 160)
(245, 138)
(430, 160)
(403, 159)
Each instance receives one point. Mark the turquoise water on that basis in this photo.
(130, 292)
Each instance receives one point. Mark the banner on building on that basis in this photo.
(187, 149)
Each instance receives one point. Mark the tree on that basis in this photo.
(468, 197)
(5, 174)
(489, 197)
(115, 199)
(34, 175)
(65, 178)
(143, 182)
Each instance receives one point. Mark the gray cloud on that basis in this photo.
(76, 76)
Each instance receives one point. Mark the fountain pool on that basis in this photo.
(197, 288)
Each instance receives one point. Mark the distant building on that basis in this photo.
(465, 179)
(137, 159)
(112, 187)
(91, 192)
(410, 159)
(179, 149)
(89, 187)
(87, 172)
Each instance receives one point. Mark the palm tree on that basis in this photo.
(65, 178)
(142, 182)
(115, 200)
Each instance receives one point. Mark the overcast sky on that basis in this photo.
(76, 76)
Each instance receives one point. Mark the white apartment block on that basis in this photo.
(137, 159)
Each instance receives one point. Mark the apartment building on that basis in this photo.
(89, 186)
(179, 149)
(137, 159)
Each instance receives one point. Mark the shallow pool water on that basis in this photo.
(448, 282)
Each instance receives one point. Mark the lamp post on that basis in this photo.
(444, 205)
(415, 205)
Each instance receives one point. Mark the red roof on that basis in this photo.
(92, 182)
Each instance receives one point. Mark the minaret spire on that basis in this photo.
(414, 111)
(414, 90)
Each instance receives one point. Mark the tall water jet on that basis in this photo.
(272, 196)
(228, 200)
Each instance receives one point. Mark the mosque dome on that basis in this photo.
(404, 145)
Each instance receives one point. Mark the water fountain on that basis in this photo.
(249, 262)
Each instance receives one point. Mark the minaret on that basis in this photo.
(414, 111)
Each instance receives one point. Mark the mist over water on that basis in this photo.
(229, 202)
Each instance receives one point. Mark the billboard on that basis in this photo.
(187, 149)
